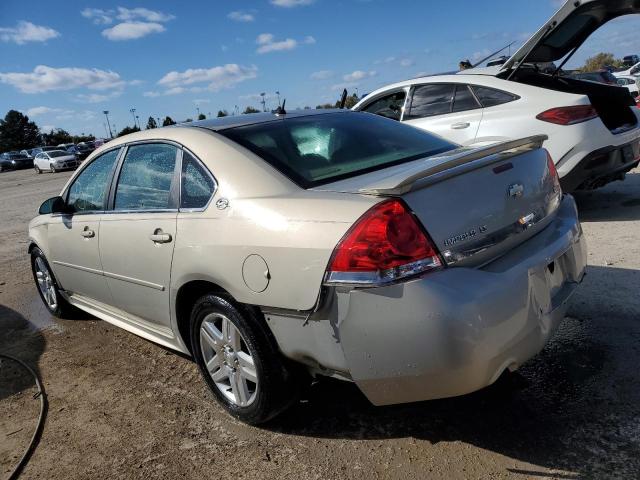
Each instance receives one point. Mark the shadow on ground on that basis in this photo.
(618, 201)
(573, 407)
(19, 339)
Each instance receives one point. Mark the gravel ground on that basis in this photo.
(121, 407)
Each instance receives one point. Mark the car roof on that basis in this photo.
(224, 123)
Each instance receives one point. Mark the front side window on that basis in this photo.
(197, 185)
(429, 100)
(490, 97)
(389, 106)
(146, 177)
(318, 149)
(87, 193)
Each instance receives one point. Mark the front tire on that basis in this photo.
(239, 360)
(53, 169)
(48, 286)
(37, 169)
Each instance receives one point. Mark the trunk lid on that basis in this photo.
(477, 203)
(568, 28)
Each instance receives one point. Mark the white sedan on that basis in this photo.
(630, 83)
(633, 71)
(54, 161)
(593, 129)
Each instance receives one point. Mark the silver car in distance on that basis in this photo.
(273, 247)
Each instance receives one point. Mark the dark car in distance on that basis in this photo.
(14, 161)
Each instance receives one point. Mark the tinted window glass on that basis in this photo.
(87, 192)
(490, 97)
(57, 153)
(197, 185)
(464, 99)
(428, 100)
(317, 149)
(389, 106)
(146, 177)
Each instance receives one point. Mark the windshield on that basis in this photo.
(318, 149)
(57, 153)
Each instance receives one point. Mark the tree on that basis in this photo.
(82, 138)
(600, 61)
(325, 105)
(127, 130)
(57, 136)
(168, 121)
(202, 116)
(351, 101)
(151, 123)
(17, 132)
(222, 113)
(251, 110)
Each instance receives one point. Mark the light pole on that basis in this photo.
(106, 114)
(138, 120)
(133, 114)
(159, 124)
(278, 94)
(264, 103)
(198, 110)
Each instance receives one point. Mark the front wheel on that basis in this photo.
(37, 169)
(48, 286)
(53, 169)
(239, 360)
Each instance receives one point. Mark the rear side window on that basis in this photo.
(146, 178)
(87, 193)
(429, 100)
(464, 99)
(389, 106)
(490, 97)
(197, 184)
(318, 149)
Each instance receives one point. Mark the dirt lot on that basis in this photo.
(121, 407)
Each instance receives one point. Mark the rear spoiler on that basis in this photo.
(435, 169)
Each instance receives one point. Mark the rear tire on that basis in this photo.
(47, 287)
(239, 360)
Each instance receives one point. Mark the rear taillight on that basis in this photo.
(553, 173)
(568, 115)
(385, 245)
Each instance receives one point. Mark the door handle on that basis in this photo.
(88, 233)
(460, 126)
(158, 236)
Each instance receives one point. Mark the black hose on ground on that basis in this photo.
(43, 412)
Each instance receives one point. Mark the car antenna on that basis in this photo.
(492, 55)
(343, 99)
(280, 110)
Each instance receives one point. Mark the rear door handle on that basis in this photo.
(460, 126)
(88, 233)
(159, 237)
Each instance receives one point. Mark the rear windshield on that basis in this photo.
(319, 149)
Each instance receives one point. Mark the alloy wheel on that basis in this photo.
(46, 284)
(229, 361)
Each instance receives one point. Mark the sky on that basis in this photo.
(64, 63)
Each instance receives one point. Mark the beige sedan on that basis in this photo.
(276, 247)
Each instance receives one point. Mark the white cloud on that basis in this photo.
(267, 43)
(406, 62)
(127, 14)
(358, 75)
(242, 16)
(309, 40)
(97, 97)
(132, 30)
(60, 113)
(321, 75)
(25, 32)
(45, 79)
(291, 3)
(37, 111)
(215, 78)
(98, 16)
(133, 22)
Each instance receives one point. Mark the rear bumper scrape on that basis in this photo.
(455, 331)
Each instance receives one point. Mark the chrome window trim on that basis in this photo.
(208, 172)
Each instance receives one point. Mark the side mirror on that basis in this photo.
(52, 205)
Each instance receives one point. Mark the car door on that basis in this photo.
(503, 116)
(447, 109)
(138, 234)
(74, 237)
